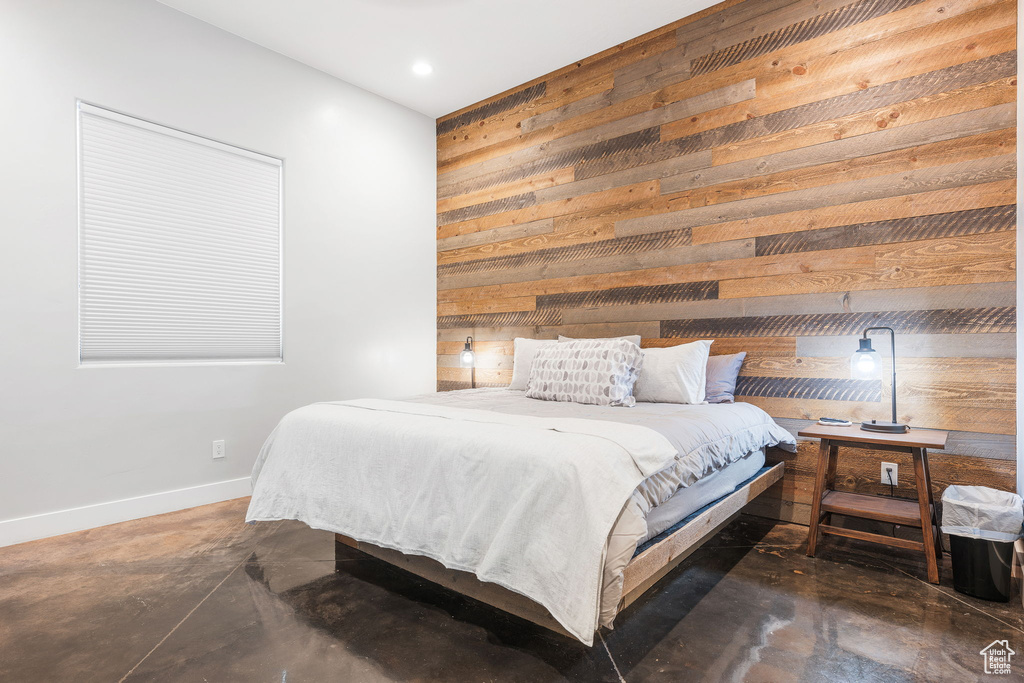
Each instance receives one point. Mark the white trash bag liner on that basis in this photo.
(981, 512)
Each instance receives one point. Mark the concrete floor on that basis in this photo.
(199, 596)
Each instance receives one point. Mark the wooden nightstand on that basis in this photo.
(921, 513)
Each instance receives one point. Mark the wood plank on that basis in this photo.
(1001, 345)
(596, 331)
(486, 334)
(929, 321)
(991, 258)
(878, 508)
(812, 27)
(503, 129)
(572, 252)
(803, 72)
(485, 377)
(537, 182)
(522, 303)
(956, 223)
(916, 438)
(484, 361)
(625, 296)
(951, 296)
(937, 154)
(512, 101)
(474, 239)
(490, 348)
(923, 414)
(998, 193)
(656, 171)
(620, 255)
(809, 388)
(774, 347)
(872, 537)
(551, 209)
(888, 86)
(932, 106)
(947, 371)
(546, 239)
(985, 170)
(982, 32)
(882, 141)
(676, 71)
(511, 319)
(716, 270)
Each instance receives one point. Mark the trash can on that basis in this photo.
(982, 524)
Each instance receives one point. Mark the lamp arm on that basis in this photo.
(892, 348)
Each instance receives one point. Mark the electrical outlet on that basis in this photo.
(895, 473)
(218, 449)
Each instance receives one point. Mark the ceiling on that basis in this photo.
(478, 48)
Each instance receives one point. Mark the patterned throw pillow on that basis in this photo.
(599, 371)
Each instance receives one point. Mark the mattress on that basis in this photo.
(705, 490)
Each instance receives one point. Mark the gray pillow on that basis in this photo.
(596, 371)
(722, 373)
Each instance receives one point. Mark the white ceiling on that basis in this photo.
(478, 48)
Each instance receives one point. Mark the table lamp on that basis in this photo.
(864, 364)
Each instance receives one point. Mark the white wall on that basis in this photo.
(359, 259)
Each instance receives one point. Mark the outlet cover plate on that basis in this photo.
(218, 449)
(895, 473)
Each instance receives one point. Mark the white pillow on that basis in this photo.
(597, 371)
(522, 360)
(676, 374)
(635, 338)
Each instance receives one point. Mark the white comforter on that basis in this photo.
(523, 501)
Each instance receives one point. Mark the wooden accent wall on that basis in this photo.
(775, 175)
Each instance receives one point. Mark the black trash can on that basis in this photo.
(981, 568)
(982, 524)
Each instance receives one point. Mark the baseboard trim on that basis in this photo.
(48, 524)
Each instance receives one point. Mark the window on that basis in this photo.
(179, 245)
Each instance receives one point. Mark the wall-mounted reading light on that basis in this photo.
(467, 359)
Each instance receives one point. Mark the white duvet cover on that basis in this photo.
(524, 501)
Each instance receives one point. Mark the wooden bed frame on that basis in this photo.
(642, 572)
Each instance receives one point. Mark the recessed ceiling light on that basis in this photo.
(422, 69)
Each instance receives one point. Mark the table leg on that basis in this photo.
(819, 490)
(931, 502)
(924, 500)
(830, 473)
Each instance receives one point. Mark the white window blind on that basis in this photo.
(179, 245)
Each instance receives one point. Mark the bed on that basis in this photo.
(561, 513)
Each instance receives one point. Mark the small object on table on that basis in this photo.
(834, 422)
(826, 501)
